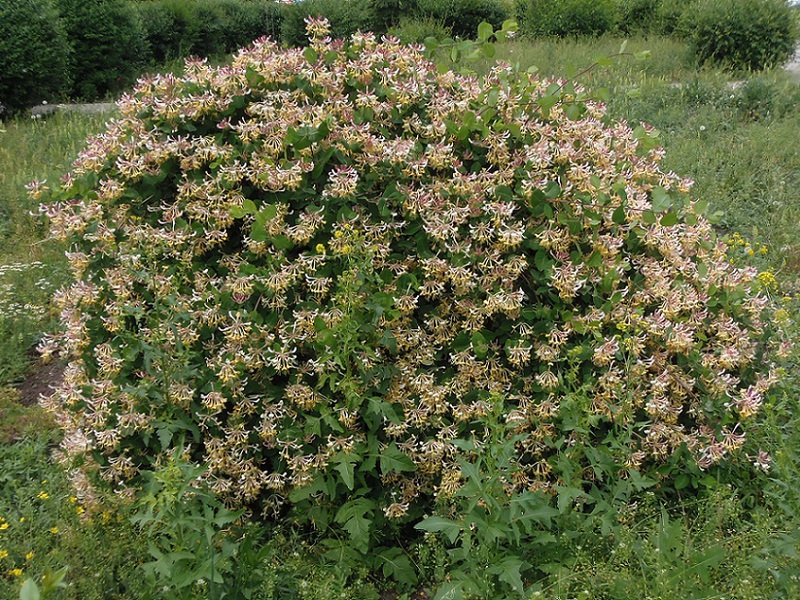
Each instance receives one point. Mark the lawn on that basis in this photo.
(735, 135)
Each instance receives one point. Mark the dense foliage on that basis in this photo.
(35, 54)
(179, 28)
(743, 34)
(564, 18)
(354, 286)
(108, 46)
(345, 18)
(462, 17)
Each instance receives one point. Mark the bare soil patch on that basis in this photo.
(41, 381)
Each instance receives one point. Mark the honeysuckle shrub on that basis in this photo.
(332, 275)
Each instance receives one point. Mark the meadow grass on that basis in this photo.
(736, 138)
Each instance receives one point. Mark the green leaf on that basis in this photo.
(435, 524)
(431, 43)
(649, 217)
(311, 55)
(661, 199)
(358, 528)
(552, 191)
(510, 573)
(393, 460)
(604, 61)
(29, 591)
(669, 219)
(397, 565)
(480, 345)
(450, 590)
(701, 207)
(346, 467)
(485, 31)
(355, 518)
(248, 207)
(619, 215)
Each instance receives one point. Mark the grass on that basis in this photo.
(736, 139)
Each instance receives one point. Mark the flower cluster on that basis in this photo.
(312, 267)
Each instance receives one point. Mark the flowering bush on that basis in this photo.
(331, 274)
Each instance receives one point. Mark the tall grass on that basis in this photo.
(30, 267)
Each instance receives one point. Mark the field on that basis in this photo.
(734, 135)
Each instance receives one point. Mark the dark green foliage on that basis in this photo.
(416, 31)
(463, 16)
(742, 34)
(634, 16)
(108, 46)
(389, 13)
(248, 20)
(673, 17)
(178, 28)
(345, 17)
(168, 28)
(565, 18)
(34, 53)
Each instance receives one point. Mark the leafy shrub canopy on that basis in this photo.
(325, 273)
(743, 34)
(108, 46)
(35, 54)
(564, 18)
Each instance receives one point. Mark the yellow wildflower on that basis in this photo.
(15, 572)
(22, 519)
(54, 530)
(73, 499)
(43, 495)
(29, 556)
(767, 279)
(4, 526)
(3, 554)
(79, 510)
(321, 248)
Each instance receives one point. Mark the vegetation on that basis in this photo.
(35, 53)
(745, 34)
(727, 530)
